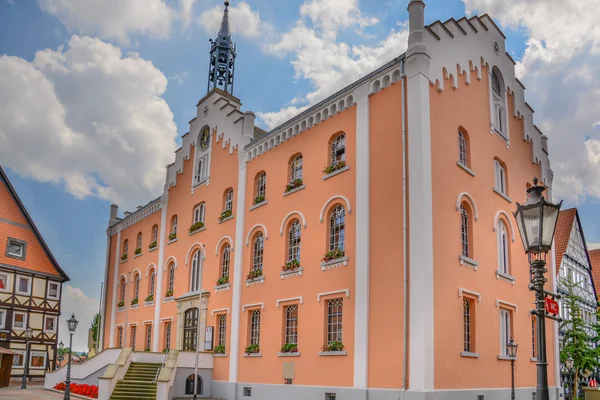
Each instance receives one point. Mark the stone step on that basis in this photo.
(133, 391)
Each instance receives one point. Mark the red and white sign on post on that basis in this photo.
(551, 306)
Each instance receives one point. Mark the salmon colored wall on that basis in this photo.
(310, 369)
(468, 106)
(386, 253)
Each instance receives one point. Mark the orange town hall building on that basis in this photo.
(364, 248)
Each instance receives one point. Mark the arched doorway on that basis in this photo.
(190, 329)
(189, 385)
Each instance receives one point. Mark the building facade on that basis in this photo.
(364, 247)
(30, 287)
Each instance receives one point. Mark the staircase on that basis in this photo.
(138, 383)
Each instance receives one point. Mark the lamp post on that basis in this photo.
(60, 357)
(569, 364)
(28, 335)
(536, 220)
(512, 348)
(71, 325)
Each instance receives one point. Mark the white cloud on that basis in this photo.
(179, 77)
(88, 118)
(84, 308)
(243, 21)
(331, 15)
(561, 69)
(115, 19)
(186, 12)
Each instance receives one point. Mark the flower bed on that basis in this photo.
(152, 245)
(259, 199)
(220, 349)
(90, 391)
(254, 273)
(334, 167)
(196, 226)
(289, 348)
(252, 349)
(293, 185)
(335, 345)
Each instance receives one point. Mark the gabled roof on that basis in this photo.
(595, 260)
(37, 233)
(563, 234)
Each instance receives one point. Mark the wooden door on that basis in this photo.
(5, 368)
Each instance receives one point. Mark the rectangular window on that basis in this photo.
(291, 324)
(133, 335)
(23, 285)
(50, 323)
(168, 335)
(19, 320)
(500, 181)
(4, 282)
(468, 325)
(15, 248)
(120, 337)
(148, 336)
(2, 319)
(18, 358)
(329, 396)
(37, 360)
(505, 330)
(334, 320)
(255, 327)
(202, 170)
(53, 290)
(222, 339)
(247, 392)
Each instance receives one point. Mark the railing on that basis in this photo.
(162, 366)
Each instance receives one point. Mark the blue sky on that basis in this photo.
(72, 213)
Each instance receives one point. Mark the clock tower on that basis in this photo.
(222, 58)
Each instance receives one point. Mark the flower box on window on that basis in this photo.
(147, 349)
(138, 251)
(196, 226)
(289, 348)
(152, 245)
(150, 298)
(291, 265)
(333, 255)
(172, 236)
(225, 214)
(121, 304)
(134, 301)
(255, 273)
(220, 349)
(259, 199)
(169, 293)
(335, 345)
(293, 185)
(124, 257)
(334, 167)
(252, 349)
(223, 280)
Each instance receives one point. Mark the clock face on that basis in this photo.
(204, 141)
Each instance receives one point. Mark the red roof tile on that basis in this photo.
(563, 233)
(595, 260)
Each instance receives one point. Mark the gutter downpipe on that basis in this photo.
(404, 233)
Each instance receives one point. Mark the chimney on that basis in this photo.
(416, 28)
(114, 210)
(126, 214)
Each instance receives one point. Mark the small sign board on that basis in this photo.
(208, 338)
(551, 306)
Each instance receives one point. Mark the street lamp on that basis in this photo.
(60, 357)
(28, 335)
(512, 348)
(71, 325)
(569, 364)
(536, 220)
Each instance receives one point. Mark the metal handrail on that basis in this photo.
(162, 366)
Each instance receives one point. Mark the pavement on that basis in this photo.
(35, 393)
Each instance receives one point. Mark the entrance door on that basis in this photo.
(5, 368)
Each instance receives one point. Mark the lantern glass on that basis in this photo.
(537, 223)
(569, 363)
(512, 349)
(61, 345)
(550, 213)
(72, 323)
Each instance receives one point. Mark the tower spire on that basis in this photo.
(222, 57)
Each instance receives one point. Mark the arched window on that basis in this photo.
(228, 200)
(261, 188)
(190, 328)
(338, 149)
(136, 286)
(173, 233)
(294, 241)
(467, 325)
(496, 83)
(151, 283)
(125, 249)
(463, 148)
(123, 288)
(503, 259)
(465, 231)
(194, 272)
(138, 243)
(171, 281)
(198, 214)
(257, 263)
(225, 260)
(189, 385)
(337, 228)
(154, 239)
(498, 93)
(500, 177)
(296, 166)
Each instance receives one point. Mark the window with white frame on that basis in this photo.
(148, 336)
(194, 272)
(123, 288)
(19, 320)
(152, 282)
(138, 243)
(462, 149)
(225, 260)
(2, 319)
(464, 231)
(503, 248)
(53, 290)
(202, 170)
(136, 286)
(174, 225)
(334, 320)
(498, 119)
(261, 186)
(259, 243)
(294, 241)
(467, 326)
(255, 327)
(171, 282)
(228, 206)
(23, 285)
(291, 324)
(296, 168)
(125, 247)
(15, 248)
(120, 337)
(50, 322)
(37, 360)
(337, 228)
(198, 213)
(133, 336)
(222, 338)
(155, 233)
(4, 282)
(505, 330)
(338, 149)
(500, 177)
(168, 335)
(18, 359)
